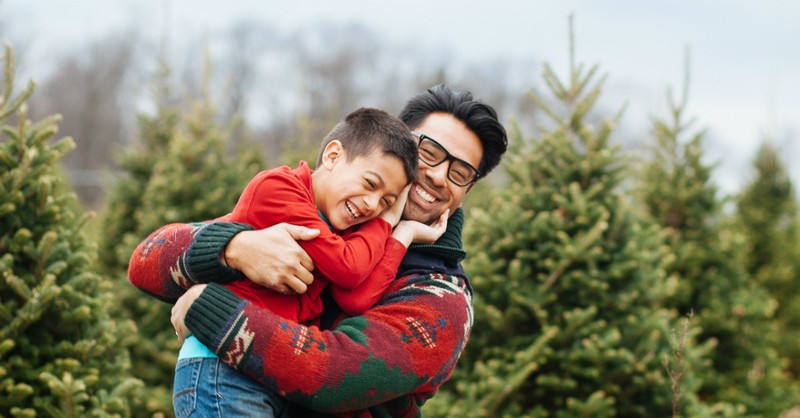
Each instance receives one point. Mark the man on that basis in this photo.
(386, 362)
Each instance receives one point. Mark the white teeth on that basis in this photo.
(424, 195)
(351, 210)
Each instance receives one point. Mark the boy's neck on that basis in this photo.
(317, 188)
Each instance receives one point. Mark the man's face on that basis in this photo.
(433, 193)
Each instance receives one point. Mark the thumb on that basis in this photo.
(301, 233)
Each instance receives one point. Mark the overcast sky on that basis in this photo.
(744, 55)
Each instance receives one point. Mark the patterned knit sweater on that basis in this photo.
(384, 363)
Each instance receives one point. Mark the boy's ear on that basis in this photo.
(332, 153)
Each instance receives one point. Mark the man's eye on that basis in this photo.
(458, 175)
(427, 154)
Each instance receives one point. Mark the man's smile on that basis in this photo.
(424, 195)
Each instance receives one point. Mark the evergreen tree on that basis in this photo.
(61, 354)
(706, 275)
(155, 133)
(767, 212)
(568, 285)
(180, 171)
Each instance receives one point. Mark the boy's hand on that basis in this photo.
(393, 213)
(412, 231)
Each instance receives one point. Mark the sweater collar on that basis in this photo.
(448, 247)
(441, 257)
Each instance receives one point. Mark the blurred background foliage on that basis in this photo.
(586, 249)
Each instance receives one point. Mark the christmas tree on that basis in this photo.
(706, 275)
(767, 213)
(180, 171)
(155, 133)
(568, 283)
(61, 354)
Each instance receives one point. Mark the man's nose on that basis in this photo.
(438, 174)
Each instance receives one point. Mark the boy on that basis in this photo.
(362, 172)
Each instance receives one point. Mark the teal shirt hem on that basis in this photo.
(193, 348)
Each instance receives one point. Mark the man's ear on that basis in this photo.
(332, 153)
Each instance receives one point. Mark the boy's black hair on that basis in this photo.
(479, 117)
(366, 129)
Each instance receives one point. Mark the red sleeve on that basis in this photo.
(359, 299)
(276, 196)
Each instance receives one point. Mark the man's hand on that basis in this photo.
(181, 307)
(272, 258)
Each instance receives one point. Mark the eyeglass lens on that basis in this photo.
(434, 154)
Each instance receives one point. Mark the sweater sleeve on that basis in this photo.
(276, 196)
(406, 345)
(177, 256)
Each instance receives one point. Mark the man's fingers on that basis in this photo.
(301, 233)
(308, 266)
(304, 274)
(295, 285)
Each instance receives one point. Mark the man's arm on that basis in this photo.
(408, 344)
(158, 265)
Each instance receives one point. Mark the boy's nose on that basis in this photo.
(371, 202)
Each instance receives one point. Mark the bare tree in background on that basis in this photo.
(92, 91)
(248, 43)
(288, 88)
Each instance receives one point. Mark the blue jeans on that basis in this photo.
(206, 387)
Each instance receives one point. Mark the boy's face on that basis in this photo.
(359, 190)
(433, 192)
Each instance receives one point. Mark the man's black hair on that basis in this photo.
(479, 117)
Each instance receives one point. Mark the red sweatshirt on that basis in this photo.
(359, 263)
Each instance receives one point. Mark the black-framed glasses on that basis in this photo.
(433, 153)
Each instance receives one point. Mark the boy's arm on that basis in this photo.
(280, 196)
(410, 342)
(357, 300)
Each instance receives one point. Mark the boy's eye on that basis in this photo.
(370, 184)
(388, 202)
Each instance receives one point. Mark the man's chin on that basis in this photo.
(414, 212)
